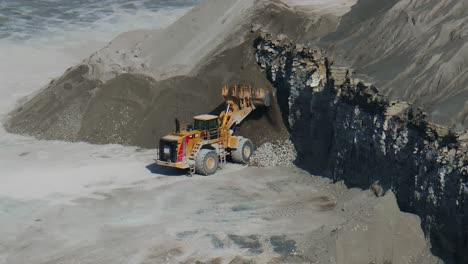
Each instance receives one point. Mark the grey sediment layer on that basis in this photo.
(413, 50)
(347, 130)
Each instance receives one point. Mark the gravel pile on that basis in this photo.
(277, 154)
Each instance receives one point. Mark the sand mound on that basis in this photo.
(378, 232)
(132, 109)
(175, 50)
(414, 50)
(110, 99)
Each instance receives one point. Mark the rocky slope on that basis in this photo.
(348, 131)
(415, 50)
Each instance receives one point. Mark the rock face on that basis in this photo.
(347, 130)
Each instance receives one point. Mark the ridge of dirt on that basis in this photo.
(413, 50)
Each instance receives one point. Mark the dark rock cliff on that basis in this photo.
(346, 130)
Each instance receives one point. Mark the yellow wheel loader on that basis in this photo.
(204, 145)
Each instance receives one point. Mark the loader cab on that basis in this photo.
(208, 125)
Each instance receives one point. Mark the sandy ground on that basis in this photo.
(269, 214)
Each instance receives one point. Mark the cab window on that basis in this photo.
(200, 125)
(213, 124)
(205, 124)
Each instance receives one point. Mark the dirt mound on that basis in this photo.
(378, 232)
(414, 50)
(57, 111)
(93, 102)
(177, 49)
(135, 109)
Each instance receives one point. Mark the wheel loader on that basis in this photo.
(202, 147)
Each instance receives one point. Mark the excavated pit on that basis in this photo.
(341, 128)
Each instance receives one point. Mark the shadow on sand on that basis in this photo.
(165, 171)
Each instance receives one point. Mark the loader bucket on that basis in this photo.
(258, 96)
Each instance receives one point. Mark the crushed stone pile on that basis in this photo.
(277, 154)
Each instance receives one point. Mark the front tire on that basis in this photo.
(243, 152)
(207, 162)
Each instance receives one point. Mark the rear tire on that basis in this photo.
(206, 162)
(243, 152)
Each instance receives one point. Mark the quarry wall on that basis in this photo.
(345, 129)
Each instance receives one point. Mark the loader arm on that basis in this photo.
(240, 102)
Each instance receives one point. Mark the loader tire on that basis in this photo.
(206, 162)
(243, 152)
